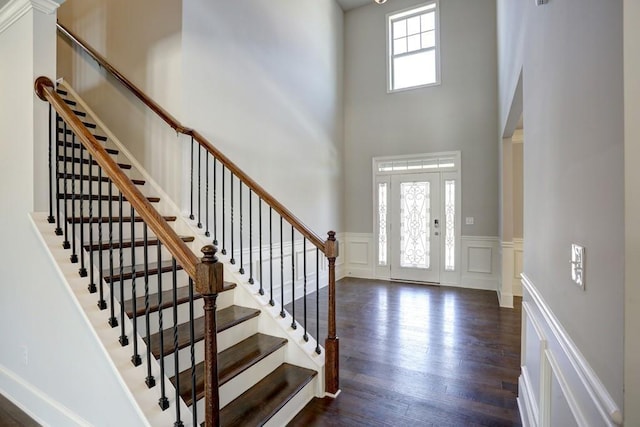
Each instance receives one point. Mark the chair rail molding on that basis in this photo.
(557, 385)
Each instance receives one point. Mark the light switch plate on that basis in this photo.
(577, 265)
(469, 220)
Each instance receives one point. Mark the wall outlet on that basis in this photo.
(577, 265)
(24, 354)
(469, 220)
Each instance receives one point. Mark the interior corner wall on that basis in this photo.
(632, 211)
(50, 363)
(573, 168)
(458, 114)
(143, 40)
(263, 82)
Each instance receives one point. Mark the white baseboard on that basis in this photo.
(557, 385)
(17, 390)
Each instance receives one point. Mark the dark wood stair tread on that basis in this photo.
(69, 102)
(127, 244)
(79, 113)
(95, 177)
(262, 401)
(87, 124)
(62, 92)
(226, 318)
(86, 161)
(104, 197)
(231, 362)
(128, 271)
(70, 132)
(77, 146)
(105, 219)
(182, 294)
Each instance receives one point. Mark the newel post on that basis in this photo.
(332, 344)
(209, 282)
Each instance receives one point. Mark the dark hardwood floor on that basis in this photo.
(12, 416)
(417, 355)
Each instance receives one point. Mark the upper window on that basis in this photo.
(413, 47)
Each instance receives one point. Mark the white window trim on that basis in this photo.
(449, 173)
(390, 43)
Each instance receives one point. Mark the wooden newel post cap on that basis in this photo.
(209, 252)
(331, 245)
(209, 272)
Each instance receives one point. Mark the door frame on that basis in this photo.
(449, 165)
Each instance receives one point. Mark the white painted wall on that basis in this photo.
(263, 81)
(66, 379)
(632, 210)
(459, 114)
(571, 59)
(142, 39)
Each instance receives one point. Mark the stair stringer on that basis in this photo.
(118, 357)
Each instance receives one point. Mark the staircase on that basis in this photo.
(268, 367)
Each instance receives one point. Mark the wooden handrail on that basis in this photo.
(186, 258)
(201, 140)
(161, 112)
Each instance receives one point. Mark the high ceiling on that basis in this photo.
(352, 4)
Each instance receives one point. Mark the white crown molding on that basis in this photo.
(16, 9)
(604, 402)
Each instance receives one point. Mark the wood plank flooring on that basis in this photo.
(12, 416)
(418, 355)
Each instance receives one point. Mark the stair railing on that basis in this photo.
(207, 274)
(230, 196)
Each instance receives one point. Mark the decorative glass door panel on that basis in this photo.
(415, 229)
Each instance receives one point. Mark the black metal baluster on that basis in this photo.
(199, 183)
(318, 351)
(206, 193)
(124, 340)
(232, 260)
(224, 247)
(215, 203)
(261, 291)
(92, 284)
(176, 358)
(58, 228)
(293, 281)
(51, 219)
(241, 271)
(102, 304)
(271, 257)
(282, 313)
(150, 380)
(304, 289)
(135, 358)
(112, 320)
(83, 270)
(65, 244)
(74, 254)
(192, 335)
(191, 186)
(163, 401)
(250, 237)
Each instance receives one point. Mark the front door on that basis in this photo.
(415, 227)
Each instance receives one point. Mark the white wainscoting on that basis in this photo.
(557, 386)
(518, 252)
(510, 284)
(480, 266)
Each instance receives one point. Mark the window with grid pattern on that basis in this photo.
(413, 47)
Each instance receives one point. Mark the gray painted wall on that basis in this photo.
(459, 114)
(263, 82)
(573, 166)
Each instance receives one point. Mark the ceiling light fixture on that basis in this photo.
(380, 1)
